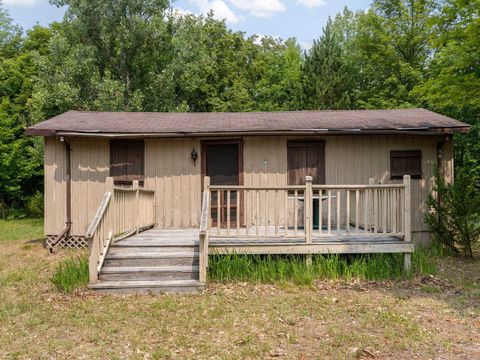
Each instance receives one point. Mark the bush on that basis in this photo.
(453, 212)
(34, 205)
(71, 274)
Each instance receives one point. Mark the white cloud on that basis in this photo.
(306, 45)
(20, 2)
(221, 11)
(312, 3)
(260, 8)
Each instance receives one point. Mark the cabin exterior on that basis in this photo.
(289, 182)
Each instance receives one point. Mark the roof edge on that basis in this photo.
(419, 131)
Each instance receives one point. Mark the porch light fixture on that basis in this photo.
(194, 156)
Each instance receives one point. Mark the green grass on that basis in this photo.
(71, 274)
(24, 229)
(293, 268)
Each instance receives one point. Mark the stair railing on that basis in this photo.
(204, 231)
(122, 213)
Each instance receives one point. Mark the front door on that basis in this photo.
(307, 158)
(222, 162)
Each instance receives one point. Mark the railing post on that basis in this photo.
(308, 209)
(407, 210)
(93, 261)
(204, 232)
(135, 186)
(110, 186)
(408, 219)
(371, 206)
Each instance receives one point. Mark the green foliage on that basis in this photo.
(34, 206)
(71, 274)
(327, 76)
(279, 268)
(453, 213)
(140, 56)
(20, 157)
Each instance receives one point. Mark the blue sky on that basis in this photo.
(302, 19)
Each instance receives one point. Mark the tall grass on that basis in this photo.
(293, 268)
(71, 274)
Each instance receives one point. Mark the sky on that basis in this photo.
(302, 19)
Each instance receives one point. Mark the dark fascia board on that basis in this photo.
(397, 131)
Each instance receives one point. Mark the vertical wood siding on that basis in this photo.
(169, 170)
(89, 167)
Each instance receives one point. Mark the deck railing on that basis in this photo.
(303, 213)
(122, 212)
(307, 211)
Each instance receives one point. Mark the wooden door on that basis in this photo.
(222, 162)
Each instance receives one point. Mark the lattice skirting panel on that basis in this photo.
(70, 242)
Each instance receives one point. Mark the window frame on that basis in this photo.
(406, 154)
(305, 145)
(127, 179)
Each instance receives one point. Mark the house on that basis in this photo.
(155, 193)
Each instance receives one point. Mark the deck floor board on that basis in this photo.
(337, 241)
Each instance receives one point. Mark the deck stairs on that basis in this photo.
(151, 262)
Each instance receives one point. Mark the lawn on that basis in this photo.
(424, 317)
(25, 229)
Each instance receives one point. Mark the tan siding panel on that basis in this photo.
(169, 170)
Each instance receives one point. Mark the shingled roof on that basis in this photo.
(88, 123)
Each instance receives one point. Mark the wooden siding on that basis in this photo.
(90, 167)
(169, 170)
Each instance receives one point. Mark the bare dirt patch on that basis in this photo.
(430, 317)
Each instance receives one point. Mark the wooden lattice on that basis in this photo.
(69, 242)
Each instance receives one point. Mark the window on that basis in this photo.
(405, 162)
(306, 158)
(127, 160)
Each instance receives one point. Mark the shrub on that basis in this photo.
(71, 274)
(453, 212)
(34, 205)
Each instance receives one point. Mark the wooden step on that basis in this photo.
(138, 241)
(116, 249)
(124, 259)
(148, 287)
(116, 273)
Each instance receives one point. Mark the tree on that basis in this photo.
(276, 74)
(20, 156)
(453, 214)
(327, 75)
(391, 52)
(453, 80)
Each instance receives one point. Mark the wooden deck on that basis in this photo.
(355, 219)
(339, 242)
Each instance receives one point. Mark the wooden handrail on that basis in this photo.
(359, 187)
(244, 187)
(99, 214)
(122, 212)
(300, 187)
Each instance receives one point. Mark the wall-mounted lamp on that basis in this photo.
(194, 156)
